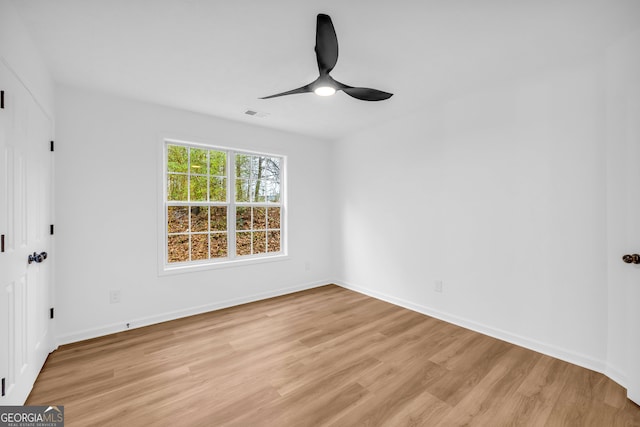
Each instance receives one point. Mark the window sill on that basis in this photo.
(167, 270)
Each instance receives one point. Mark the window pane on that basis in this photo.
(243, 218)
(259, 218)
(242, 190)
(177, 158)
(218, 245)
(243, 243)
(218, 218)
(272, 191)
(273, 241)
(259, 242)
(199, 218)
(198, 188)
(274, 218)
(198, 160)
(218, 189)
(177, 219)
(199, 246)
(243, 166)
(178, 248)
(218, 163)
(177, 187)
(257, 167)
(271, 169)
(257, 191)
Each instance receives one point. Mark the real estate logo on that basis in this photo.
(31, 416)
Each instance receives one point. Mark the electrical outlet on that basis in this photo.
(307, 266)
(437, 286)
(115, 296)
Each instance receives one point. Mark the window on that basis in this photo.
(221, 205)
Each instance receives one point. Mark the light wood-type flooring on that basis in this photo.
(322, 357)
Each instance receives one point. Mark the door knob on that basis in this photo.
(37, 257)
(631, 259)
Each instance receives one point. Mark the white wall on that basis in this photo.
(20, 55)
(501, 194)
(107, 163)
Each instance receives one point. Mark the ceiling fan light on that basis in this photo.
(324, 91)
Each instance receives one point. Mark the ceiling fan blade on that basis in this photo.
(366, 94)
(303, 89)
(326, 44)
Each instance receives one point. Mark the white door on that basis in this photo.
(25, 218)
(632, 230)
(623, 145)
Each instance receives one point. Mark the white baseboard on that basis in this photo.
(550, 350)
(159, 318)
(616, 374)
(538, 346)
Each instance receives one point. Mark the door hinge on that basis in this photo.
(2, 99)
(52, 144)
(51, 313)
(4, 381)
(2, 243)
(51, 229)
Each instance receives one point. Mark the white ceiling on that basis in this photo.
(218, 57)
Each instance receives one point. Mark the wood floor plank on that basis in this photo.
(534, 399)
(323, 357)
(395, 390)
(484, 402)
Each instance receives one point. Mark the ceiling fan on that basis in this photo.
(327, 56)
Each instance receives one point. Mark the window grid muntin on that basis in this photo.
(189, 231)
(267, 229)
(254, 180)
(190, 204)
(266, 202)
(230, 204)
(206, 174)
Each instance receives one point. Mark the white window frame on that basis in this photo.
(232, 259)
